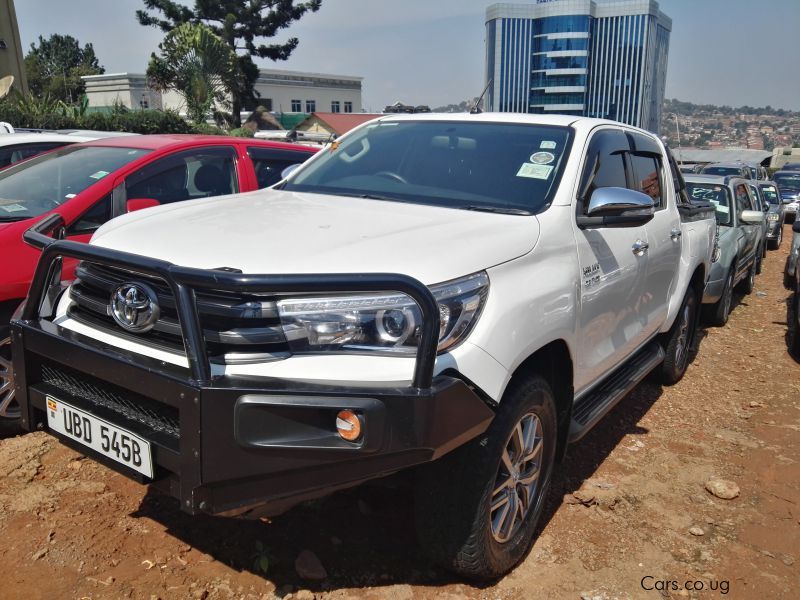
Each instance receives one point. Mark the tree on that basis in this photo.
(198, 64)
(241, 24)
(56, 65)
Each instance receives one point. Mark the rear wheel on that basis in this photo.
(477, 507)
(680, 340)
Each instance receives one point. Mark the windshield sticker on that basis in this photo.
(547, 145)
(99, 175)
(13, 208)
(534, 171)
(542, 158)
(722, 208)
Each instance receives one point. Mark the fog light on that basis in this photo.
(348, 425)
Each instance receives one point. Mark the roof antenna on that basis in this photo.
(476, 108)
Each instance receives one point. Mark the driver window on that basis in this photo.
(743, 201)
(605, 164)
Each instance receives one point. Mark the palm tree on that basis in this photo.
(198, 64)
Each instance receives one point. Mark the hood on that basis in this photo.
(271, 231)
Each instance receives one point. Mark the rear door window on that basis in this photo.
(269, 163)
(187, 175)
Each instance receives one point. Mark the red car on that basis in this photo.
(92, 182)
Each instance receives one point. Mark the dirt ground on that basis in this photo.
(629, 516)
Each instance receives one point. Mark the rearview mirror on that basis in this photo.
(140, 203)
(752, 217)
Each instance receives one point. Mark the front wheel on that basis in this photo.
(719, 312)
(477, 507)
(680, 340)
(748, 284)
(776, 243)
(9, 408)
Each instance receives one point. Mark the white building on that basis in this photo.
(128, 89)
(280, 91)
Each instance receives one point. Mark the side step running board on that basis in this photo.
(593, 407)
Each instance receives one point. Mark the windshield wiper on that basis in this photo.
(500, 210)
(4, 219)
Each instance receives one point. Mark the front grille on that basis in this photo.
(155, 416)
(234, 325)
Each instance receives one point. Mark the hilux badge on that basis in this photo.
(134, 307)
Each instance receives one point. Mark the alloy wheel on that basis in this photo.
(9, 409)
(727, 299)
(682, 349)
(517, 481)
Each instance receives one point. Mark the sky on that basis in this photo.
(734, 52)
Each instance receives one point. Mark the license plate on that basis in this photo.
(101, 436)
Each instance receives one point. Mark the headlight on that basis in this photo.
(773, 216)
(386, 323)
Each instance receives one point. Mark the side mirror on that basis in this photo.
(766, 207)
(289, 170)
(617, 206)
(616, 201)
(140, 203)
(752, 217)
(796, 226)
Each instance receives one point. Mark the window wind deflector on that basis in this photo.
(500, 210)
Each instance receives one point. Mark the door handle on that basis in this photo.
(640, 247)
(675, 234)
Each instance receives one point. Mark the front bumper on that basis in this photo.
(773, 229)
(239, 445)
(225, 445)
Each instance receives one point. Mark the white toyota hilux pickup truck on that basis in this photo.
(463, 294)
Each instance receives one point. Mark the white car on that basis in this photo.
(18, 145)
(15, 147)
(469, 292)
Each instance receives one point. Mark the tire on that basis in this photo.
(455, 524)
(794, 325)
(9, 409)
(748, 284)
(718, 313)
(680, 340)
(776, 243)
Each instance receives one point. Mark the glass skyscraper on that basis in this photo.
(580, 57)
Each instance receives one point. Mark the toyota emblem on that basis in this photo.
(134, 307)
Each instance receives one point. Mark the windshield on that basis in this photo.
(34, 187)
(770, 194)
(788, 182)
(496, 167)
(722, 171)
(718, 195)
